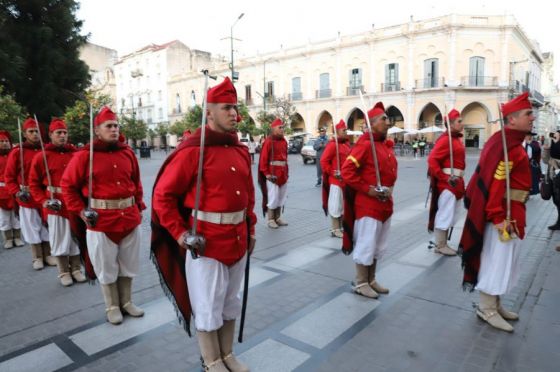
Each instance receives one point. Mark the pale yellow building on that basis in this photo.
(100, 61)
(417, 69)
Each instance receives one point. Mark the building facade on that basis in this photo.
(418, 70)
(101, 61)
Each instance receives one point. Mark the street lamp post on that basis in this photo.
(231, 44)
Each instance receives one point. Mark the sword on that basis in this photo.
(245, 297)
(24, 190)
(194, 241)
(505, 235)
(52, 203)
(451, 163)
(378, 187)
(89, 213)
(428, 195)
(337, 153)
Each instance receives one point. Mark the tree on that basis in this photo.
(133, 128)
(10, 111)
(265, 118)
(77, 116)
(39, 55)
(247, 124)
(190, 121)
(285, 110)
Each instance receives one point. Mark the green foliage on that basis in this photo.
(39, 55)
(77, 116)
(265, 118)
(9, 112)
(190, 121)
(247, 124)
(133, 128)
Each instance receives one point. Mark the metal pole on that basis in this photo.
(21, 155)
(231, 46)
(51, 192)
(506, 165)
(451, 163)
(337, 153)
(264, 86)
(90, 178)
(368, 125)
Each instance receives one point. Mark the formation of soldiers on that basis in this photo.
(85, 206)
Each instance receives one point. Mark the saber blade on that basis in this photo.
(45, 163)
(368, 124)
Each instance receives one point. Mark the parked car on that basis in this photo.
(308, 153)
(295, 144)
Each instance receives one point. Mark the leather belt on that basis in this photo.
(518, 195)
(112, 203)
(278, 163)
(229, 218)
(54, 189)
(456, 172)
(2, 184)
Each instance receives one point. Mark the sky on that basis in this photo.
(127, 25)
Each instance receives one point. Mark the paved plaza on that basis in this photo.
(302, 314)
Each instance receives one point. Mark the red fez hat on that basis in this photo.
(276, 123)
(521, 102)
(186, 134)
(377, 110)
(29, 124)
(5, 135)
(122, 138)
(341, 125)
(453, 114)
(239, 118)
(222, 93)
(104, 115)
(57, 124)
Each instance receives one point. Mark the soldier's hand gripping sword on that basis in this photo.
(383, 190)
(52, 203)
(23, 193)
(452, 178)
(90, 215)
(194, 241)
(508, 231)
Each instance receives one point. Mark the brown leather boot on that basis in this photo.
(8, 239)
(488, 311)
(372, 282)
(210, 350)
(278, 217)
(64, 271)
(271, 223)
(37, 254)
(361, 286)
(441, 243)
(49, 260)
(124, 285)
(17, 238)
(111, 298)
(75, 269)
(225, 338)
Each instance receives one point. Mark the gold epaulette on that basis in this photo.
(354, 160)
(500, 173)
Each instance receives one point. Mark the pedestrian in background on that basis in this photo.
(252, 148)
(533, 150)
(319, 147)
(551, 156)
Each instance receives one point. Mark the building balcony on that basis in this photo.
(295, 96)
(518, 87)
(249, 102)
(323, 93)
(430, 83)
(354, 90)
(475, 81)
(392, 87)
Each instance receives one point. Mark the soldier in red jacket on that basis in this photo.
(113, 240)
(334, 155)
(491, 239)
(225, 219)
(58, 154)
(9, 223)
(273, 174)
(34, 231)
(447, 184)
(367, 209)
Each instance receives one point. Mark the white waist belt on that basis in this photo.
(230, 218)
(54, 189)
(112, 203)
(456, 172)
(278, 162)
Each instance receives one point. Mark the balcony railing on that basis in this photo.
(430, 83)
(354, 90)
(393, 87)
(295, 96)
(474, 81)
(519, 87)
(323, 93)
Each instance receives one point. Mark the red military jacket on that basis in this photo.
(115, 176)
(520, 179)
(358, 172)
(12, 174)
(58, 158)
(227, 186)
(329, 163)
(280, 153)
(6, 199)
(439, 159)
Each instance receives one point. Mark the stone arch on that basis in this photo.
(429, 115)
(297, 123)
(325, 119)
(395, 116)
(475, 117)
(355, 119)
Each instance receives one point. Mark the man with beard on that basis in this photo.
(17, 181)
(58, 154)
(113, 231)
(9, 223)
(494, 228)
(368, 208)
(335, 154)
